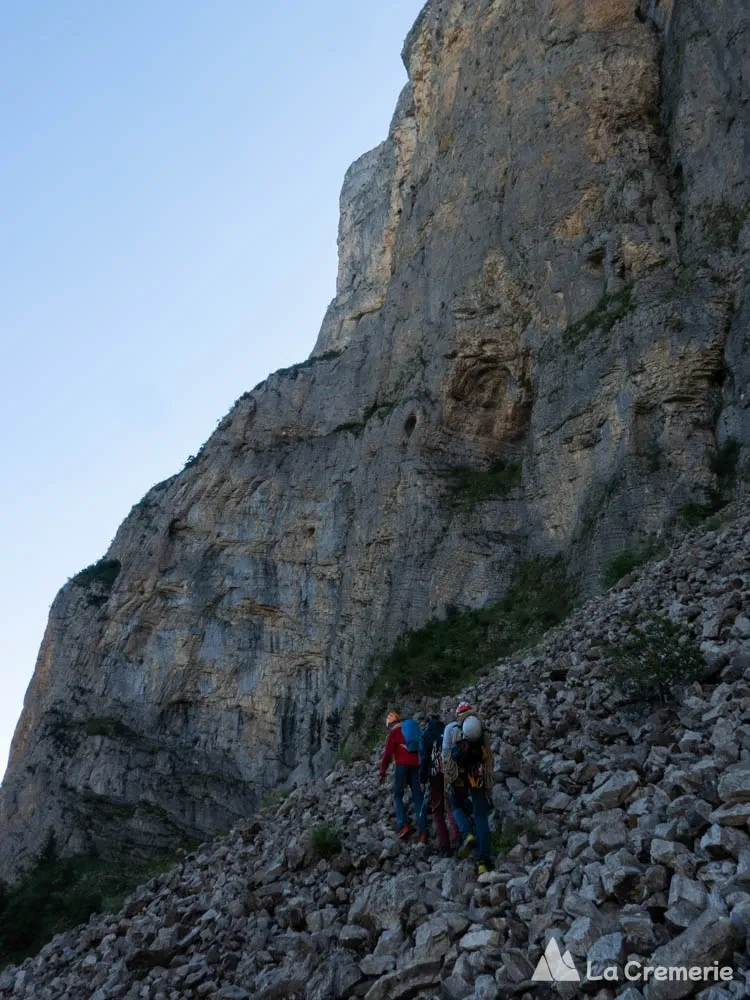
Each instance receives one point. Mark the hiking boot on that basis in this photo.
(483, 868)
(404, 832)
(467, 845)
(423, 838)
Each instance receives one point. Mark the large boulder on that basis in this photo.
(708, 941)
(382, 905)
(406, 982)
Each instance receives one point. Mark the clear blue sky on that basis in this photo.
(169, 205)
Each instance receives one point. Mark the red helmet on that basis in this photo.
(464, 707)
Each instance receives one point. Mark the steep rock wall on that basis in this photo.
(544, 262)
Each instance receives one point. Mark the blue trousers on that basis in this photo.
(404, 776)
(462, 799)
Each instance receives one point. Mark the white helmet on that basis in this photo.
(472, 728)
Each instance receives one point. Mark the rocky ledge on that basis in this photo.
(624, 827)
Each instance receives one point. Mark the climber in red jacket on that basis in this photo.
(406, 772)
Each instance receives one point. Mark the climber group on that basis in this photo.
(449, 767)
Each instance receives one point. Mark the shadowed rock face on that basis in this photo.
(545, 262)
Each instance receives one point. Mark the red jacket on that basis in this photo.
(396, 748)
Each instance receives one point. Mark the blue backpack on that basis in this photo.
(411, 732)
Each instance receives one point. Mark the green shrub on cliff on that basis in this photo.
(97, 580)
(103, 573)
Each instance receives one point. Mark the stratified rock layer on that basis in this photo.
(544, 263)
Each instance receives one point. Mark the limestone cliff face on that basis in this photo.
(545, 262)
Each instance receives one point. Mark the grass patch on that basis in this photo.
(609, 310)
(469, 487)
(625, 562)
(505, 837)
(692, 514)
(58, 893)
(101, 574)
(325, 840)
(620, 566)
(445, 654)
(275, 797)
(346, 754)
(654, 660)
(349, 753)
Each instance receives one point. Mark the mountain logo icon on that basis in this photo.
(553, 967)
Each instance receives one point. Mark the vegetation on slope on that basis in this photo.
(97, 580)
(627, 561)
(447, 653)
(58, 893)
(656, 659)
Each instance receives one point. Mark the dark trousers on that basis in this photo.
(404, 776)
(465, 799)
(446, 828)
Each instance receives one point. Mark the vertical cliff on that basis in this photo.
(544, 264)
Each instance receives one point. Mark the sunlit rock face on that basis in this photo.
(544, 263)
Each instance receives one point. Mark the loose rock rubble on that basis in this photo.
(631, 841)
